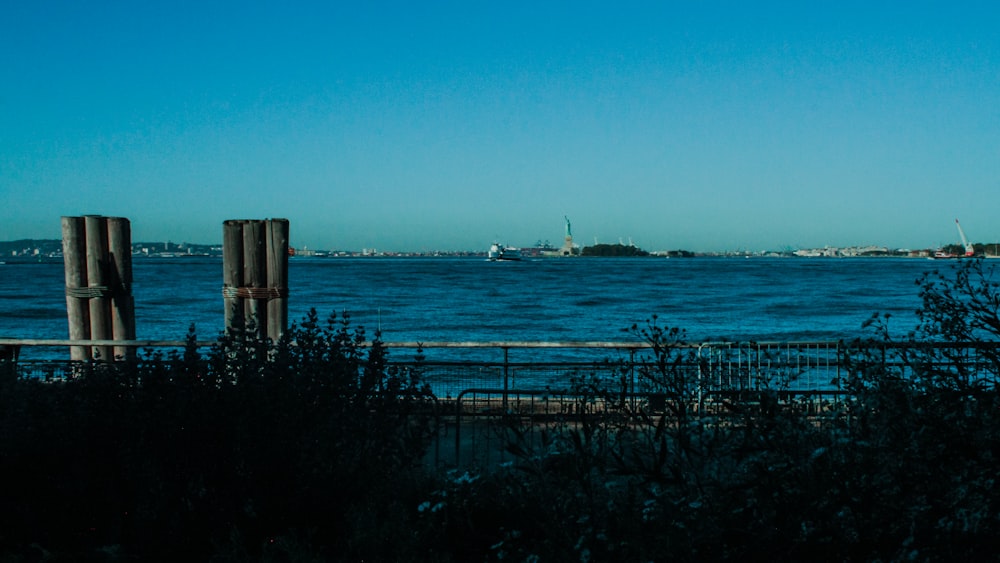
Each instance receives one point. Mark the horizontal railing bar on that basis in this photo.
(517, 344)
(435, 344)
(430, 344)
(122, 343)
(527, 344)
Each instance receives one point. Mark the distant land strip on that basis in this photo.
(51, 249)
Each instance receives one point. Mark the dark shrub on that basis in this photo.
(254, 449)
(903, 468)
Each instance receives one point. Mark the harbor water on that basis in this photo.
(472, 299)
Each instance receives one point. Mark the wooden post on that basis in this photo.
(277, 277)
(120, 283)
(75, 265)
(97, 281)
(254, 276)
(232, 274)
(97, 255)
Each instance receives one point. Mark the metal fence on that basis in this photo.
(451, 367)
(477, 385)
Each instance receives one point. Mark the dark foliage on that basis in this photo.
(252, 452)
(903, 468)
(613, 250)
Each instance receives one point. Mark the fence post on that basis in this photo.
(631, 379)
(8, 361)
(506, 375)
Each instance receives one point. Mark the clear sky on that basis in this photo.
(448, 125)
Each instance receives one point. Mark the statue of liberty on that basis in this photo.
(568, 249)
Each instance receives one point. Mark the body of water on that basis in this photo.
(471, 299)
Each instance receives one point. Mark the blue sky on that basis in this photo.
(447, 125)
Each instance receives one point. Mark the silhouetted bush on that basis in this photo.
(246, 453)
(904, 468)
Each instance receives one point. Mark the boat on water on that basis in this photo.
(499, 252)
(970, 250)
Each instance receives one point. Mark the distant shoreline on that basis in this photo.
(40, 250)
(47, 260)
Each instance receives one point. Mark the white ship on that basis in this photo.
(500, 252)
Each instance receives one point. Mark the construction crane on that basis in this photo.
(969, 250)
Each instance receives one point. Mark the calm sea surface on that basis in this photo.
(471, 299)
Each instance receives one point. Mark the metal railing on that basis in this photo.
(477, 384)
(451, 367)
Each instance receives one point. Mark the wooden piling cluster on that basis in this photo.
(97, 255)
(255, 276)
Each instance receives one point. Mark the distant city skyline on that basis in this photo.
(446, 126)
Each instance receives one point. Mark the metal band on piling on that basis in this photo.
(267, 293)
(96, 292)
